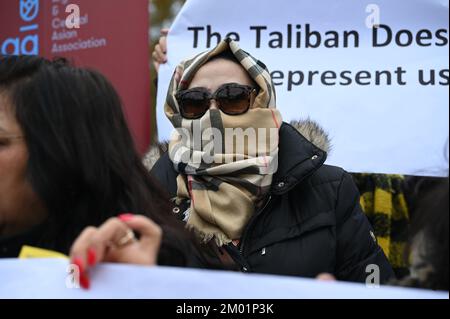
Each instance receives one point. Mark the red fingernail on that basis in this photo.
(85, 282)
(91, 257)
(79, 263)
(126, 217)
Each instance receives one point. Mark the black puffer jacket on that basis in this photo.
(311, 223)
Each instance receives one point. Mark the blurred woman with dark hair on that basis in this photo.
(429, 243)
(67, 161)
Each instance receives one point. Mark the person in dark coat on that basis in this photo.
(301, 219)
(262, 203)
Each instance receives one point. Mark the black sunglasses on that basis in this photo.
(231, 98)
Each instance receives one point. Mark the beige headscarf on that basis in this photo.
(223, 186)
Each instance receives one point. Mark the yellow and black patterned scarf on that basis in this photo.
(383, 201)
(223, 187)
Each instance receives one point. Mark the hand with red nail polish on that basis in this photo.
(114, 241)
(126, 217)
(91, 257)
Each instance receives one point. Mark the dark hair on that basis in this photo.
(82, 160)
(427, 199)
(431, 219)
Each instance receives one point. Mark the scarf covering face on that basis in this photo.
(223, 177)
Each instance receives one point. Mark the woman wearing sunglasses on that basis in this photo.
(265, 203)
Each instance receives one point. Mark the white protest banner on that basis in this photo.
(381, 93)
(53, 278)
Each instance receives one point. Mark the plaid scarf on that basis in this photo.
(223, 184)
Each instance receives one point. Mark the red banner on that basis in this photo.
(108, 35)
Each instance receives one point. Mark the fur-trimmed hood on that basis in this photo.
(310, 129)
(314, 133)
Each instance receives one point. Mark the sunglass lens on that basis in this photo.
(194, 104)
(234, 100)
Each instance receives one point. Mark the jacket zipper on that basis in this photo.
(250, 224)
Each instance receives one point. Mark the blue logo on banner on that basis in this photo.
(29, 43)
(29, 9)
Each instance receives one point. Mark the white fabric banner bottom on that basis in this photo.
(49, 278)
